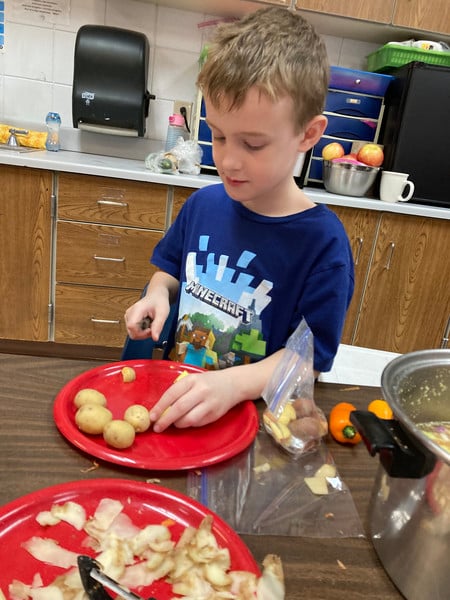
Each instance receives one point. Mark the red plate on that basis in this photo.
(144, 503)
(174, 448)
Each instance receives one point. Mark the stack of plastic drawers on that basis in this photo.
(354, 108)
(204, 138)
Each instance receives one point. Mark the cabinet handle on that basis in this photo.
(109, 258)
(112, 202)
(107, 321)
(387, 266)
(444, 343)
(359, 249)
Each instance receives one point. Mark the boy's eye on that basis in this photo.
(254, 146)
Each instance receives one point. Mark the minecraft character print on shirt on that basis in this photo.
(220, 308)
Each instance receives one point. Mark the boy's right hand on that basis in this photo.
(146, 318)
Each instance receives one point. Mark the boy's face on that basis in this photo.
(255, 148)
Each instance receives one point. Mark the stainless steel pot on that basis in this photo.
(410, 506)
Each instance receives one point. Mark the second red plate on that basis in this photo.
(174, 449)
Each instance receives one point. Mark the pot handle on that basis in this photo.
(400, 454)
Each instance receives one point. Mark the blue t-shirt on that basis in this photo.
(247, 280)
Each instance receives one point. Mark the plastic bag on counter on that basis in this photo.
(292, 418)
(266, 491)
(184, 158)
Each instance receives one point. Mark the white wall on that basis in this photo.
(36, 66)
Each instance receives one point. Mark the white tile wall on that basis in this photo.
(36, 67)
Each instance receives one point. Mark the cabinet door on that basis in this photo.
(180, 195)
(406, 303)
(377, 10)
(423, 14)
(25, 252)
(361, 227)
(103, 255)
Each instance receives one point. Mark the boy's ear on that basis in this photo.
(313, 132)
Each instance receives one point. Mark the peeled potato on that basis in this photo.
(128, 374)
(137, 416)
(119, 434)
(89, 396)
(92, 418)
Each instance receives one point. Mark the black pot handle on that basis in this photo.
(400, 454)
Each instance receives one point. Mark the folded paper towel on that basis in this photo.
(33, 139)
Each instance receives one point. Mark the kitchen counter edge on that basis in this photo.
(135, 170)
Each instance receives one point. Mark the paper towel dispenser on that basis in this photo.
(109, 93)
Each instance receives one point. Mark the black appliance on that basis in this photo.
(109, 93)
(416, 130)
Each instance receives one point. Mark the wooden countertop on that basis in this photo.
(34, 455)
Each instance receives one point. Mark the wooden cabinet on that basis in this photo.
(424, 15)
(413, 14)
(25, 251)
(377, 10)
(92, 316)
(402, 293)
(180, 195)
(106, 230)
(361, 227)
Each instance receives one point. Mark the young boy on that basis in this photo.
(245, 260)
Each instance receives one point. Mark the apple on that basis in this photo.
(371, 154)
(332, 150)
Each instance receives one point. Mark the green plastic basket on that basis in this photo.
(391, 56)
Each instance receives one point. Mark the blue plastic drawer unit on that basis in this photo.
(350, 128)
(204, 138)
(207, 157)
(353, 105)
(364, 82)
(204, 132)
(354, 109)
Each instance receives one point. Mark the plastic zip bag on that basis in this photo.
(265, 491)
(292, 418)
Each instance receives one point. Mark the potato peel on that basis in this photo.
(195, 566)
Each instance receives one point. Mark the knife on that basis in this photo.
(95, 581)
(145, 323)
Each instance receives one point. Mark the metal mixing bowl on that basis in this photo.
(348, 179)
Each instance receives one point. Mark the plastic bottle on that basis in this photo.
(175, 130)
(53, 122)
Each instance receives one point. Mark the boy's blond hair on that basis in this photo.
(277, 51)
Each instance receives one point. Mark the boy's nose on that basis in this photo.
(231, 159)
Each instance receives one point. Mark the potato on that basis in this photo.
(128, 374)
(278, 430)
(119, 434)
(92, 418)
(287, 415)
(304, 407)
(137, 416)
(182, 375)
(326, 470)
(306, 428)
(89, 396)
(318, 485)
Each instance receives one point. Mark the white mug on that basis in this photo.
(393, 186)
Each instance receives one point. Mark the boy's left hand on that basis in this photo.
(194, 400)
